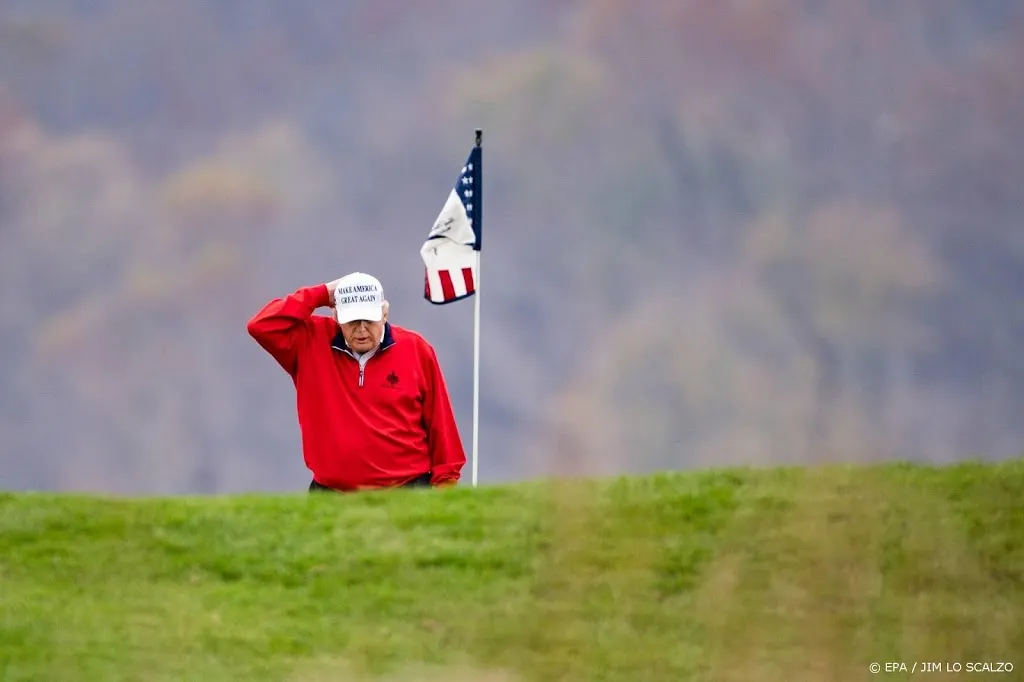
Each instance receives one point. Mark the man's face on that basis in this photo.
(362, 335)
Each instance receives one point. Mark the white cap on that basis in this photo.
(359, 296)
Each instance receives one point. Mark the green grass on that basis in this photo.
(753, 575)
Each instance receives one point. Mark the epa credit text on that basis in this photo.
(942, 667)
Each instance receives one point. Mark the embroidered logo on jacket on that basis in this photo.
(392, 379)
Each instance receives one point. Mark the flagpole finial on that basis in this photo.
(479, 136)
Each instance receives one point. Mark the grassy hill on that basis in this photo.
(754, 575)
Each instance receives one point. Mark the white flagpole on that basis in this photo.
(478, 219)
(476, 368)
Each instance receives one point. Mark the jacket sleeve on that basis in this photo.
(283, 326)
(446, 453)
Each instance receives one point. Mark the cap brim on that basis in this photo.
(371, 312)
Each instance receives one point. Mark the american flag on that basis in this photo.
(450, 251)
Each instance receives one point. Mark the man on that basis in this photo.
(372, 404)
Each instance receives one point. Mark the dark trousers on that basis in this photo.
(418, 482)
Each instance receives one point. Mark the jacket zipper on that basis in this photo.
(362, 366)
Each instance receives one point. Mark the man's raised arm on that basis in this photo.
(282, 326)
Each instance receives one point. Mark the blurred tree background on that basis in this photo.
(716, 232)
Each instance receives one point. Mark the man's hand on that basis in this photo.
(330, 290)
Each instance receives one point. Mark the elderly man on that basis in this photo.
(372, 404)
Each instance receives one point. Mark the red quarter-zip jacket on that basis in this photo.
(379, 426)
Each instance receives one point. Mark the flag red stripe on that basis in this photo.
(447, 288)
(467, 276)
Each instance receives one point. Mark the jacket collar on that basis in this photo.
(338, 342)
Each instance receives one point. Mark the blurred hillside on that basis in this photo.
(715, 232)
